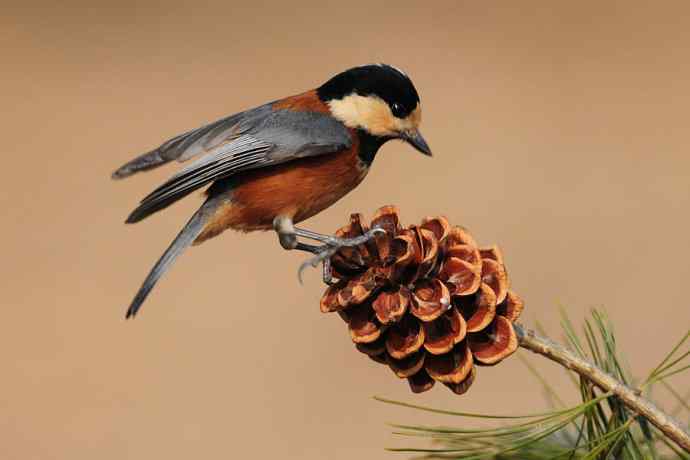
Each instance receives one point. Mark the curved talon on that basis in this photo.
(301, 268)
(331, 245)
(314, 261)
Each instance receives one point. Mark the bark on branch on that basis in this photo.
(628, 396)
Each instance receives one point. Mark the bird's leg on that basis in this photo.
(288, 233)
(285, 229)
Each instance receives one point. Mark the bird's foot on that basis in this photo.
(330, 246)
(334, 241)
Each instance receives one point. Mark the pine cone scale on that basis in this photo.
(425, 300)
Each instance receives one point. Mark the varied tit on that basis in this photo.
(278, 164)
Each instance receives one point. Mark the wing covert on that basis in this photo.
(275, 138)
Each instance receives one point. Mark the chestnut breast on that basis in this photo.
(298, 189)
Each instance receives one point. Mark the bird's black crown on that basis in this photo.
(384, 81)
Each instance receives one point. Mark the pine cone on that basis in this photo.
(424, 300)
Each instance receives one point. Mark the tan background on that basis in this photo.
(559, 131)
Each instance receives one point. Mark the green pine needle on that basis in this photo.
(598, 428)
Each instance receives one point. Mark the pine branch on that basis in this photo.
(630, 397)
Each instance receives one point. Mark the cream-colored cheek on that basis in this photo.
(373, 115)
(367, 112)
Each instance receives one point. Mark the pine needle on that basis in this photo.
(598, 428)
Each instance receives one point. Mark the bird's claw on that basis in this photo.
(330, 247)
(322, 257)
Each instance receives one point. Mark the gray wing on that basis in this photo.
(187, 145)
(260, 139)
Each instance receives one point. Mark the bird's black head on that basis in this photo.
(378, 99)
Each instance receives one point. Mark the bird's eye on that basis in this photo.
(397, 110)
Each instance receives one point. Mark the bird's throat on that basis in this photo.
(369, 146)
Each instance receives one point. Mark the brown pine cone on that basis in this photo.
(425, 300)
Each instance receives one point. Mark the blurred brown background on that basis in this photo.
(560, 131)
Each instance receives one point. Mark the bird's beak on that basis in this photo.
(415, 139)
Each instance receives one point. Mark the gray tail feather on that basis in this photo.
(143, 162)
(183, 240)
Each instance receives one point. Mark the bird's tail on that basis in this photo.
(184, 239)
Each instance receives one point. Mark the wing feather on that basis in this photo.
(190, 144)
(239, 154)
(258, 140)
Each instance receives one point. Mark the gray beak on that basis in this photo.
(415, 139)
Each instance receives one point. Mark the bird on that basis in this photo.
(278, 164)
